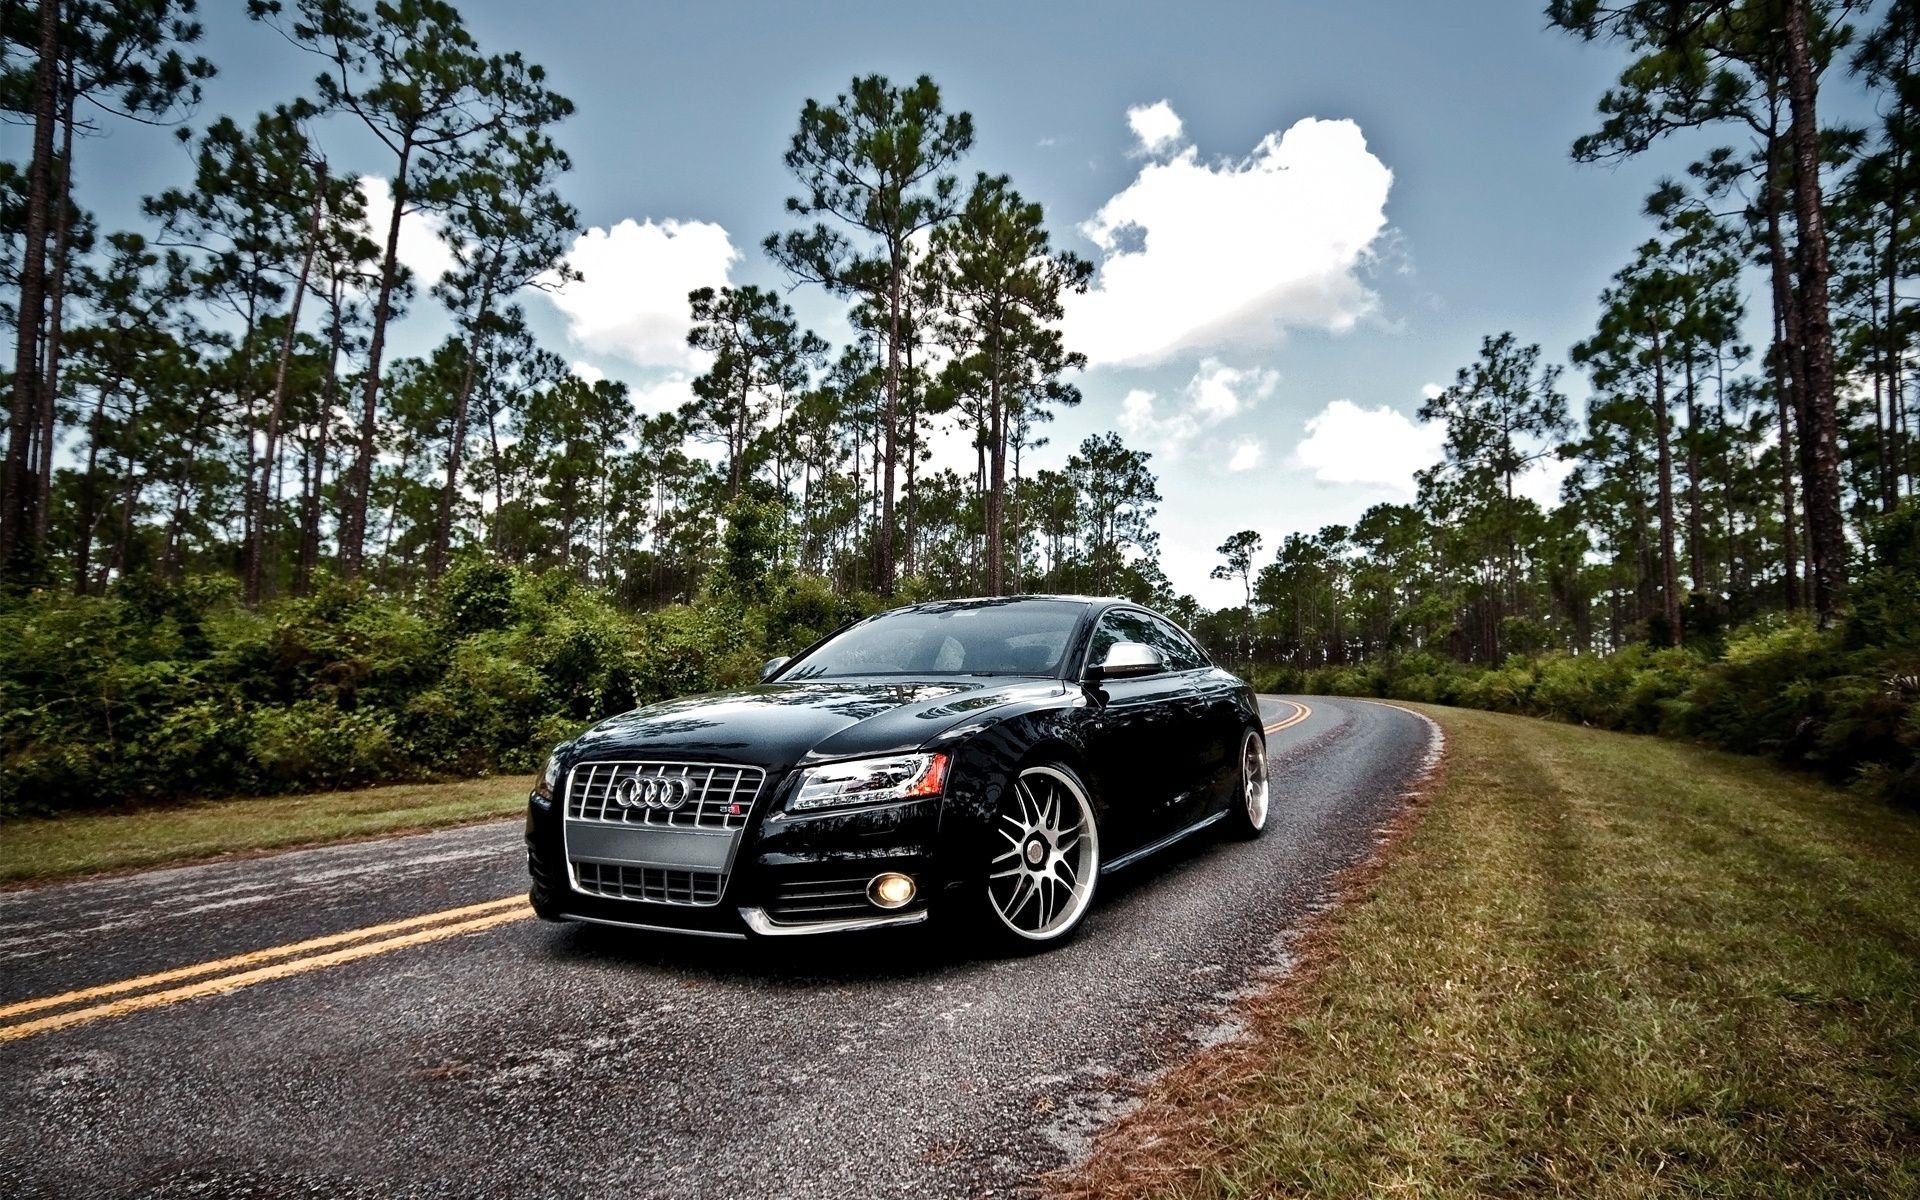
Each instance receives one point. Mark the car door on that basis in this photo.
(1141, 733)
(1210, 761)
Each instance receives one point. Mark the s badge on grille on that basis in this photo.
(651, 791)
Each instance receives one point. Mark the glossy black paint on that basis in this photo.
(1158, 752)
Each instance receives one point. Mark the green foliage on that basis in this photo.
(1782, 689)
(157, 692)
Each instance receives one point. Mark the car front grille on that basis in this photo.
(803, 900)
(716, 795)
(661, 885)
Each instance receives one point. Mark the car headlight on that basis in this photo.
(549, 779)
(870, 781)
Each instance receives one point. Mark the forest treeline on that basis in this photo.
(217, 391)
(239, 530)
(1718, 492)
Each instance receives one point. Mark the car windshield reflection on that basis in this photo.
(1020, 638)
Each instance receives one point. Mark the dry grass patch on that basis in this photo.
(86, 843)
(1600, 965)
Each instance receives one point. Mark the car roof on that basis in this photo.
(982, 601)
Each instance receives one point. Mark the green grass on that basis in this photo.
(83, 843)
(1601, 965)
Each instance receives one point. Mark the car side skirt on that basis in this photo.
(1133, 856)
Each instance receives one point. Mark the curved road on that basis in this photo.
(376, 1052)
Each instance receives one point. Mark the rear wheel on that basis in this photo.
(1248, 816)
(1045, 860)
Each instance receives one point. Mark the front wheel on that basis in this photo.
(1045, 859)
(1248, 817)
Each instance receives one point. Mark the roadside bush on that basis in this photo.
(158, 692)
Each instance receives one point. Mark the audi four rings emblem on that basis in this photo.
(651, 791)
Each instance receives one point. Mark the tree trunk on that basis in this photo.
(56, 300)
(1788, 377)
(1826, 532)
(329, 392)
(18, 553)
(276, 405)
(1669, 566)
(1696, 529)
(353, 531)
(89, 514)
(129, 495)
(890, 417)
(457, 441)
(1896, 451)
(997, 466)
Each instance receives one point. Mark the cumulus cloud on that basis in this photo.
(1540, 481)
(1218, 391)
(1197, 255)
(1380, 447)
(631, 303)
(421, 249)
(1246, 455)
(664, 394)
(1156, 125)
(1214, 395)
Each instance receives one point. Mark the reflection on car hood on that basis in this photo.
(777, 724)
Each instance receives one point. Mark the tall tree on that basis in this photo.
(118, 57)
(255, 219)
(1237, 554)
(1502, 413)
(872, 169)
(508, 230)
(1118, 497)
(413, 75)
(762, 360)
(1704, 62)
(1000, 284)
(1635, 347)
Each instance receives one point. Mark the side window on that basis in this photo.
(1121, 625)
(1179, 649)
(1132, 625)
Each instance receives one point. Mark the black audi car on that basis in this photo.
(984, 760)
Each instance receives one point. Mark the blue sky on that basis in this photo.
(1342, 294)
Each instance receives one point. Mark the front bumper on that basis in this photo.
(790, 874)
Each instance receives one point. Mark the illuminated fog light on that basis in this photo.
(890, 890)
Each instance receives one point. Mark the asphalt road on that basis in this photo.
(481, 1053)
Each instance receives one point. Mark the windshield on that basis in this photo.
(1022, 637)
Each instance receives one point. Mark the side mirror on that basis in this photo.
(772, 666)
(1128, 660)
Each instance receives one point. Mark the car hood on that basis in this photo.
(778, 724)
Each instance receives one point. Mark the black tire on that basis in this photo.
(1043, 862)
(1247, 819)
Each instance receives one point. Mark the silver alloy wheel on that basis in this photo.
(1253, 779)
(1042, 881)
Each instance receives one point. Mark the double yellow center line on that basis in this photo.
(1300, 713)
(86, 1005)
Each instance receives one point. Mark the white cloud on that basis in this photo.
(1246, 455)
(664, 394)
(632, 300)
(1219, 391)
(1382, 446)
(1156, 125)
(1199, 255)
(1215, 394)
(421, 249)
(1541, 481)
(588, 372)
